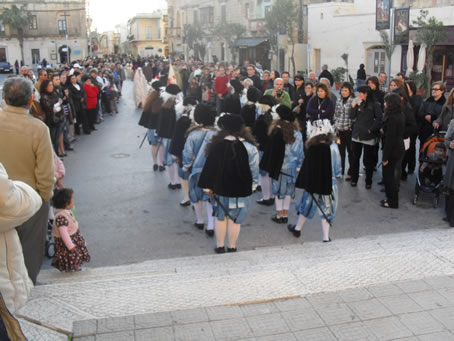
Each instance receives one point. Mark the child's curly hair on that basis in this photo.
(62, 198)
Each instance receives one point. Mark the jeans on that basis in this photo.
(219, 105)
(368, 160)
(55, 132)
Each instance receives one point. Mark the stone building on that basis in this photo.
(58, 32)
(147, 34)
(337, 28)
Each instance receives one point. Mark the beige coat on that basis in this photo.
(18, 203)
(26, 150)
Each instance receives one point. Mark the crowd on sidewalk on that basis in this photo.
(224, 131)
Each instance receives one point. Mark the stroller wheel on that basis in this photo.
(50, 249)
(415, 200)
(435, 202)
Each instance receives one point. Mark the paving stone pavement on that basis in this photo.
(388, 287)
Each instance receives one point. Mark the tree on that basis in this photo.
(230, 33)
(194, 40)
(17, 19)
(430, 32)
(280, 20)
(344, 56)
(390, 46)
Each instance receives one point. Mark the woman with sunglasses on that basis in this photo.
(430, 110)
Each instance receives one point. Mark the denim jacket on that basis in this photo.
(194, 154)
(294, 154)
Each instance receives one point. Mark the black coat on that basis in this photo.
(433, 108)
(226, 171)
(318, 109)
(167, 122)
(274, 154)
(328, 75)
(257, 81)
(410, 121)
(260, 130)
(315, 175)
(368, 117)
(179, 137)
(248, 112)
(393, 143)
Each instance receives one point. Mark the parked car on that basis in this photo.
(39, 66)
(6, 67)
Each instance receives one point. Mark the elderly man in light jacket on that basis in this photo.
(18, 203)
(26, 154)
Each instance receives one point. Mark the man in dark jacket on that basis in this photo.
(288, 87)
(253, 76)
(326, 74)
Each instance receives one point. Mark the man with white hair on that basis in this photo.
(279, 93)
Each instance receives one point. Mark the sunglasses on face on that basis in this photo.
(435, 89)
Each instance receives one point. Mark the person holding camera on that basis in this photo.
(278, 92)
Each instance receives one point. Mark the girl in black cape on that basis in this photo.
(230, 174)
(321, 167)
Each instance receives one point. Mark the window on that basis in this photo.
(207, 15)
(149, 32)
(62, 26)
(2, 30)
(223, 14)
(268, 9)
(159, 28)
(33, 23)
(246, 11)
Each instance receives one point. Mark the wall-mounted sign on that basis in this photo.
(382, 15)
(401, 24)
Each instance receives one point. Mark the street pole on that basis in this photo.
(278, 52)
(391, 39)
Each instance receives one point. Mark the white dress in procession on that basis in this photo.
(141, 88)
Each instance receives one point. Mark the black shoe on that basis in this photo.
(177, 186)
(210, 233)
(353, 183)
(185, 203)
(86, 132)
(445, 219)
(295, 233)
(69, 148)
(231, 249)
(199, 226)
(382, 190)
(171, 186)
(278, 220)
(268, 202)
(381, 182)
(155, 168)
(383, 201)
(284, 220)
(219, 249)
(327, 241)
(162, 168)
(404, 176)
(258, 189)
(368, 186)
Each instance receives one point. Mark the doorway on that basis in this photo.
(2, 54)
(35, 56)
(376, 61)
(64, 51)
(317, 60)
(443, 66)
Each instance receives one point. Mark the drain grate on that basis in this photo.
(120, 155)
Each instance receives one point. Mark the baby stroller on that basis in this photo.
(50, 245)
(430, 172)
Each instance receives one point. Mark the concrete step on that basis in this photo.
(240, 278)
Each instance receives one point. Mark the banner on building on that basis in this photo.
(401, 25)
(382, 15)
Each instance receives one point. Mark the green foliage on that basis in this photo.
(194, 40)
(419, 78)
(282, 18)
(230, 33)
(430, 30)
(339, 74)
(388, 45)
(18, 19)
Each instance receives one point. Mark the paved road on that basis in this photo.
(128, 215)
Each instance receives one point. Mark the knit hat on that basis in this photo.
(319, 127)
(231, 123)
(205, 114)
(173, 89)
(285, 113)
(253, 95)
(268, 100)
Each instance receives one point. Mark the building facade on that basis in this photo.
(58, 32)
(338, 28)
(147, 34)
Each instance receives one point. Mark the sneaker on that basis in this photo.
(295, 233)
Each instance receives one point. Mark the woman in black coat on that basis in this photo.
(77, 98)
(393, 147)
(430, 110)
(321, 106)
(368, 119)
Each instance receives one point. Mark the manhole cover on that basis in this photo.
(120, 155)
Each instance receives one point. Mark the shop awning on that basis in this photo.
(249, 42)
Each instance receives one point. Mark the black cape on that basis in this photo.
(274, 154)
(179, 137)
(167, 122)
(226, 171)
(260, 130)
(248, 113)
(315, 175)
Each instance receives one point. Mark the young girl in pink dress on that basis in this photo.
(70, 249)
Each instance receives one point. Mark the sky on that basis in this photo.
(107, 13)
